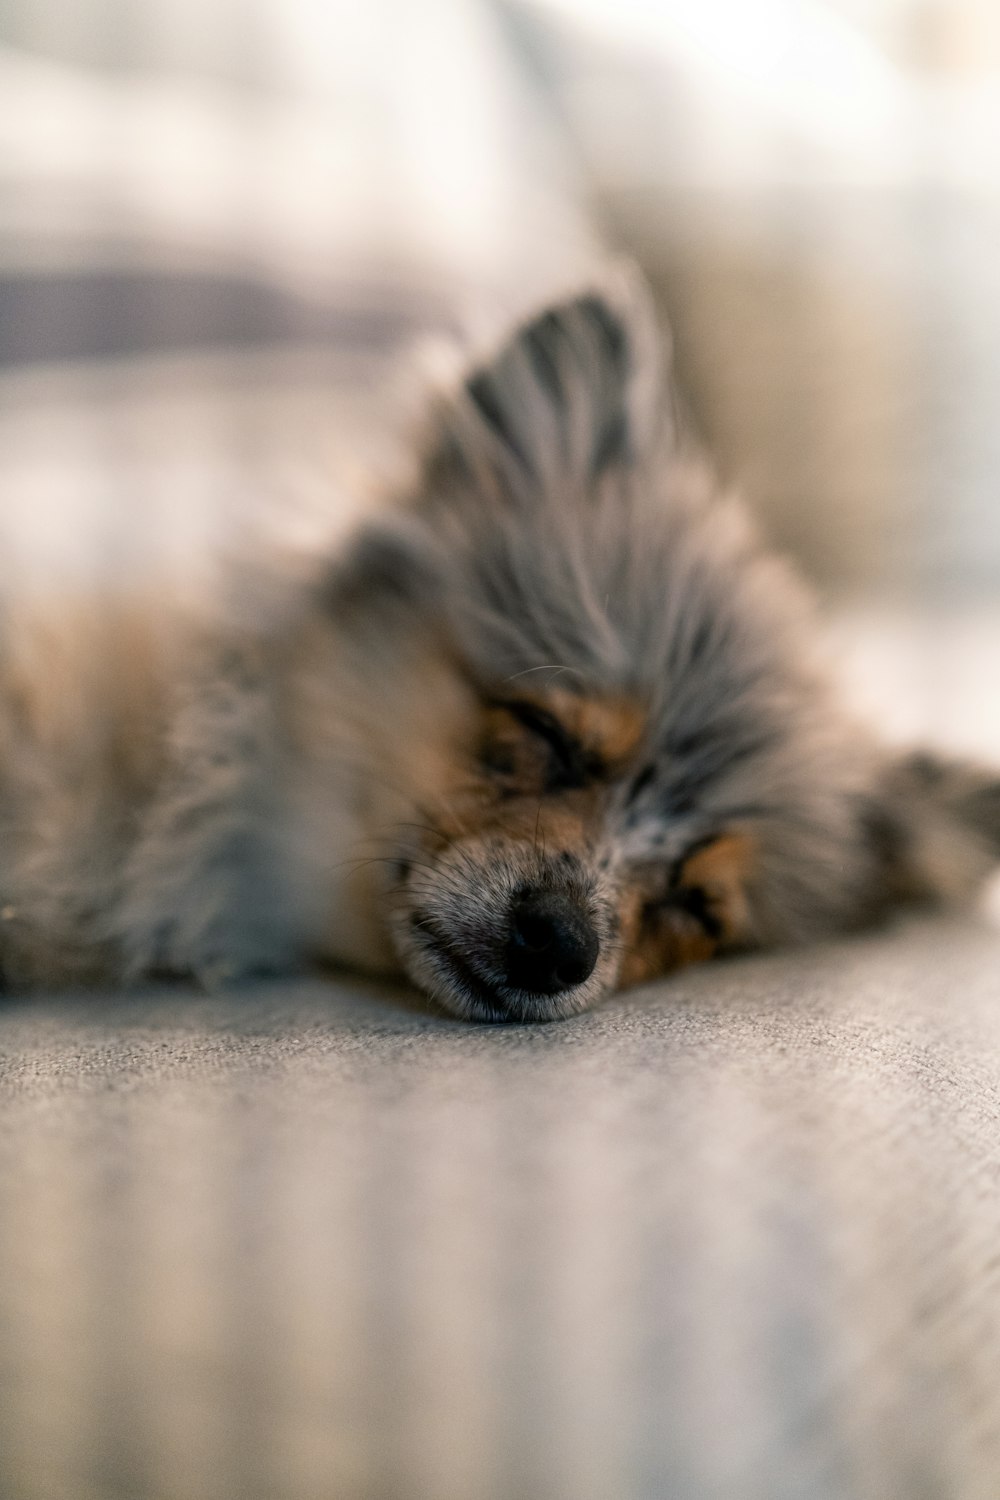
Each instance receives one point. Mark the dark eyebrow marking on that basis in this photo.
(541, 722)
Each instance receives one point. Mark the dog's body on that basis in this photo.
(549, 724)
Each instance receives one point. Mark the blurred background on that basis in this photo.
(223, 222)
(225, 225)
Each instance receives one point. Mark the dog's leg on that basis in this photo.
(204, 893)
(935, 826)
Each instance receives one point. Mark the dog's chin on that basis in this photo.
(443, 973)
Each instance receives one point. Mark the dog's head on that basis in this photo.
(603, 746)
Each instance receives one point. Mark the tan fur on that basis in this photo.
(610, 724)
(659, 934)
(722, 871)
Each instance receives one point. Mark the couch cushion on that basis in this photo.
(734, 1235)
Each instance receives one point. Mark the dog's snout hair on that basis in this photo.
(499, 928)
(553, 721)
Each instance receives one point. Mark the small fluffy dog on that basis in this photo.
(550, 724)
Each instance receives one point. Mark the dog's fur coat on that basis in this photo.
(558, 682)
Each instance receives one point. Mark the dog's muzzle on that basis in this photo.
(531, 953)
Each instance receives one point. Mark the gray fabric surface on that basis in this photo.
(731, 1236)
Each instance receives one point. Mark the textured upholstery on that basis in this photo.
(732, 1236)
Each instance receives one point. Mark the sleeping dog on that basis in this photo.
(550, 723)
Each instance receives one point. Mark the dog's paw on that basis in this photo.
(201, 936)
(217, 975)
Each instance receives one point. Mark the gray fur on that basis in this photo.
(255, 803)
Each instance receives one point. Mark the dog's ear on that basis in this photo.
(575, 390)
(934, 828)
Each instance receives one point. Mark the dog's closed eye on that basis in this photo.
(563, 741)
(532, 752)
(570, 763)
(702, 908)
(694, 906)
(689, 911)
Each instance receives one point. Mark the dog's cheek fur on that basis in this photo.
(703, 911)
(658, 942)
(380, 727)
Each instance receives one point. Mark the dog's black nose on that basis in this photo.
(552, 945)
